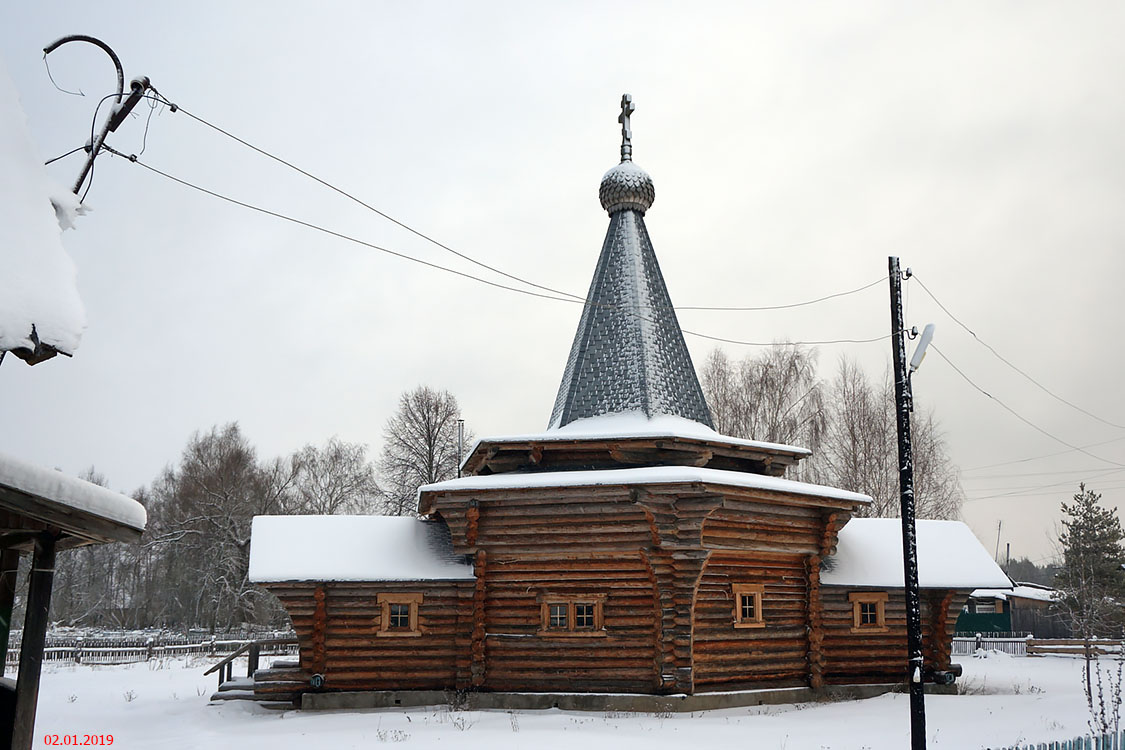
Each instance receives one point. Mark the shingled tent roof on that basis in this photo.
(629, 353)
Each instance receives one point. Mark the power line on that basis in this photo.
(1018, 416)
(63, 156)
(133, 159)
(798, 343)
(1038, 458)
(333, 233)
(1016, 489)
(371, 208)
(1017, 495)
(464, 256)
(1000, 357)
(763, 308)
(1033, 474)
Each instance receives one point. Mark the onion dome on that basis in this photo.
(626, 187)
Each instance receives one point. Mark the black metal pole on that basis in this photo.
(903, 407)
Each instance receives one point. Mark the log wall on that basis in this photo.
(874, 657)
(343, 644)
(730, 658)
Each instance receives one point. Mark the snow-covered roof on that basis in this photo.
(352, 548)
(37, 281)
(58, 488)
(643, 475)
(869, 554)
(1019, 591)
(634, 424)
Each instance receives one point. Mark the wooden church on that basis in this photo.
(628, 548)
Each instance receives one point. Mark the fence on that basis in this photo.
(1112, 741)
(1008, 645)
(79, 650)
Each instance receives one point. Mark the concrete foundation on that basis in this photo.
(383, 699)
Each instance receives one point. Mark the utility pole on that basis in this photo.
(460, 445)
(138, 87)
(903, 406)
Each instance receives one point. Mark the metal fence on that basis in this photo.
(1112, 741)
(969, 646)
(131, 649)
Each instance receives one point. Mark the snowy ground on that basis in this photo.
(1007, 700)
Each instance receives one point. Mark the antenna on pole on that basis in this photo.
(920, 350)
(120, 109)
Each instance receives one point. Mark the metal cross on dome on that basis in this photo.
(626, 131)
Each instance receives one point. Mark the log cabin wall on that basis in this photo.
(560, 546)
(772, 655)
(852, 656)
(344, 643)
(666, 625)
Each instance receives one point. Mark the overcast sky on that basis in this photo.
(794, 147)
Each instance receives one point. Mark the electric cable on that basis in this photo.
(63, 156)
(464, 256)
(1000, 357)
(369, 207)
(1041, 457)
(133, 159)
(1018, 416)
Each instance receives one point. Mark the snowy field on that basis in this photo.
(1007, 700)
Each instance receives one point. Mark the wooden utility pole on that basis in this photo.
(903, 406)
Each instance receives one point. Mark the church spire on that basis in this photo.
(628, 353)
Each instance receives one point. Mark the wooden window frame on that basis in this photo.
(756, 590)
(569, 601)
(879, 599)
(385, 601)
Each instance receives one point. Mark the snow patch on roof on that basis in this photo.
(1019, 591)
(71, 492)
(635, 424)
(37, 282)
(641, 475)
(352, 548)
(869, 554)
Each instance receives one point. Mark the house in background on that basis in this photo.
(1025, 608)
(41, 511)
(627, 549)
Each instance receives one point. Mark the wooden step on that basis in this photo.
(237, 683)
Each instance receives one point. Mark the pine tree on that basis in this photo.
(1091, 582)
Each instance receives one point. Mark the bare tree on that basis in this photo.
(206, 506)
(774, 396)
(860, 450)
(849, 424)
(420, 447)
(336, 478)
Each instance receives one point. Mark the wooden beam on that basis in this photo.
(9, 565)
(34, 638)
(71, 520)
